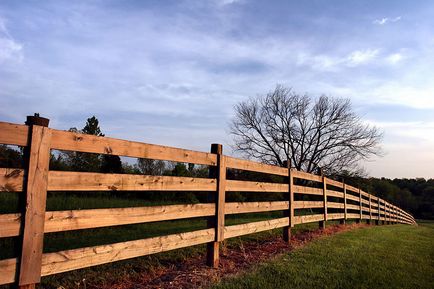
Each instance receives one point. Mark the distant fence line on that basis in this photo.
(346, 202)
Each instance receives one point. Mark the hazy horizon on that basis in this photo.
(170, 72)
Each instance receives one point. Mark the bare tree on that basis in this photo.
(151, 167)
(323, 132)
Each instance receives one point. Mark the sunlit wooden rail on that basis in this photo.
(335, 201)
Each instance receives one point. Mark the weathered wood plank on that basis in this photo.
(352, 197)
(308, 204)
(11, 180)
(255, 207)
(332, 193)
(70, 141)
(82, 181)
(36, 196)
(307, 176)
(336, 216)
(335, 205)
(85, 257)
(335, 183)
(308, 190)
(308, 218)
(246, 165)
(14, 134)
(248, 186)
(255, 227)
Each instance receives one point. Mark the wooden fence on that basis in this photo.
(335, 200)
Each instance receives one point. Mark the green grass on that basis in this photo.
(398, 256)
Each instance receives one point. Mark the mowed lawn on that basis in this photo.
(398, 256)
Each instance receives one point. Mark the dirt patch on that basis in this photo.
(193, 273)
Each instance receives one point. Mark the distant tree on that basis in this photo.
(10, 158)
(151, 167)
(312, 133)
(79, 161)
(111, 164)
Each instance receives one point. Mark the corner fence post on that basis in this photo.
(36, 163)
(322, 224)
(290, 211)
(218, 220)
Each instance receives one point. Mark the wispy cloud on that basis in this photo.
(385, 20)
(9, 48)
(361, 56)
(394, 58)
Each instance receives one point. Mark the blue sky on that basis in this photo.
(170, 72)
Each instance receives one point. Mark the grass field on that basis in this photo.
(398, 256)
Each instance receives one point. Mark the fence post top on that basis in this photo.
(37, 120)
(216, 148)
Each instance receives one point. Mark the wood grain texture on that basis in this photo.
(308, 218)
(11, 180)
(336, 194)
(308, 190)
(246, 165)
(335, 183)
(70, 141)
(36, 197)
(248, 186)
(81, 181)
(14, 134)
(307, 176)
(308, 204)
(255, 207)
(254, 227)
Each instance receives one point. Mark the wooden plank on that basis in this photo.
(85, 257)
(255, 227)
(307, 176)
(308, 204)
(336, 194)
(353, 216)
(248, 186)
(308, 218)
(83, 181)
(335, 183)
(366, 202)
(11, 180)
(335, 205)
(14, 134)
(255, 207)
(352, 189)
(58, 221)
(307, 190)
(353, 207)
(70, 141)
(352, 197)
(8, 269)
(247, 165)
(364, 194)
(336, 216)
(36, 196)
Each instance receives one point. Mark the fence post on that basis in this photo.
(322, 224)
(344, 220)
(36, 162)
(377, 222)
(218, 221)
(370, 211)
(360, 205)
(290, 212)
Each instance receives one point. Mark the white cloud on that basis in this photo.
(394, 58)
(397, 93)
(361, 57)
(383, 21)
(9, 48)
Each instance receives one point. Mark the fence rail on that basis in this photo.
(346, 202)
